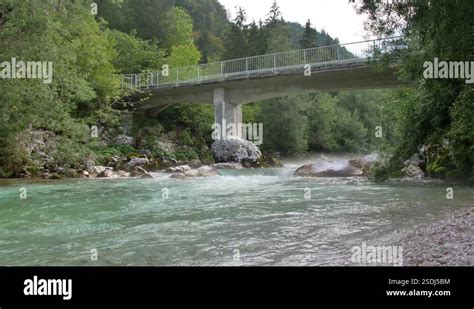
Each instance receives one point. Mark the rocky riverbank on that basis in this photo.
(449, 242)
(149, 150)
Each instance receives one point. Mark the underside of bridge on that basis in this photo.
(229, 95)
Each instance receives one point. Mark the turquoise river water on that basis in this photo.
(243, 217)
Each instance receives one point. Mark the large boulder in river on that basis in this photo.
(340, 168)
(235, 150)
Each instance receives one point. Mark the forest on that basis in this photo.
(48, 126)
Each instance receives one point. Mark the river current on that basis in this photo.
(243, 217)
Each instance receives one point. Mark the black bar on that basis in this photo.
(253, 285)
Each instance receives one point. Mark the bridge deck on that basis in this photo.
(291, 62)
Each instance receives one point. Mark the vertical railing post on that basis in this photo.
(177, 77)
(222, 69)
(247, 67)
(274, 62)
(304, 57)
(338, 52)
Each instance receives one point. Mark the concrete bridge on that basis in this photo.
(230, 84)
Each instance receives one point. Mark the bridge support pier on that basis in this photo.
(225, 112)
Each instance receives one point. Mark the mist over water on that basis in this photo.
(243, 217)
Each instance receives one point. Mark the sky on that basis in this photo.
(337, 17)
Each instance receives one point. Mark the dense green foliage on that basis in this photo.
(342, 122)
(86, 58)
(157, 19)
(83, 82)
(131, 36)
(439, 114)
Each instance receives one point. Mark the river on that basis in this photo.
(243, 217)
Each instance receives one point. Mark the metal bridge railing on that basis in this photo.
(270, 64)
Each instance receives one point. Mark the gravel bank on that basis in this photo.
(450, 242)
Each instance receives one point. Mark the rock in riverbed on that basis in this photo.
(178, 176)
(108, 172)
(228, 166)
(97, 170)
(341, 168)
(179, 169)
(413, 166)
(140, 172)
(204, 171)
(136, 162)
(413, 171)
(366, 163)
